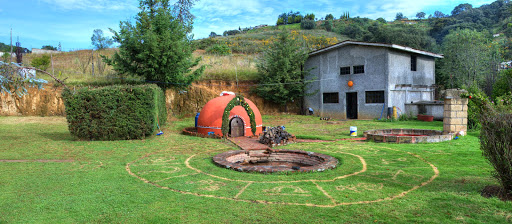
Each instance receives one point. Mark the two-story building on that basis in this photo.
(359, 80)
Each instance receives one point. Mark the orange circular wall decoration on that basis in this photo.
(210, 118)
(350, 83)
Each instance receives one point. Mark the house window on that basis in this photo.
(414, 60)
(374, 96)
(345, 70)
(331, 98)
(358, 69)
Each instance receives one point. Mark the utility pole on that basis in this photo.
(11, 46)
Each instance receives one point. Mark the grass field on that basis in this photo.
(46, 176)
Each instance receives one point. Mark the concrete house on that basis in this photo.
(359, 80)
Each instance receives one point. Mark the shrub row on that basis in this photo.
(115, 112)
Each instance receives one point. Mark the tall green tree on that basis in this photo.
(157, 47)
(467, 58)
(281, 78)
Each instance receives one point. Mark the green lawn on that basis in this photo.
(171, 178)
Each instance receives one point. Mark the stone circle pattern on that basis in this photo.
(365, 174)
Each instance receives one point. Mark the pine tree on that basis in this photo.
(157, 47)
(281, 78)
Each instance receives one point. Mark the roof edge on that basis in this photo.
(393, 46)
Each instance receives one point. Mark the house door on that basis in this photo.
(351, 105)
(236, 127)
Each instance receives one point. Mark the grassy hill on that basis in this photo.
(243, 49)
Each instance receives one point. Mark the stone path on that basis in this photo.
(252, 143)
(248, 143)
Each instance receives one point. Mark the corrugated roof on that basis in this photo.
(393, 46)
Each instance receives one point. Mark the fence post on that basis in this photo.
(92, 60)
(51, 58)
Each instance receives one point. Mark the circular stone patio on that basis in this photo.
(366, 174)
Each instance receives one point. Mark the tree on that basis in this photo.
(99, 41)
(439, 14)
(49, 47)
(14, 78)
(420, 15)
(461, 8)
(329, 17)
(399, 16)
(280, 21)
(467, 58)
(310, 16)
(181, 11)
(328, 25)
(281, 78)
(213, 34)
(298, 18)
(381, 20)
(156, 47)
(345, 15)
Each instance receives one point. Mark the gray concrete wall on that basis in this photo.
(42, 51)
(406, 86)
(328, 79)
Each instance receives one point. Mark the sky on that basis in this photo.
(72, 22)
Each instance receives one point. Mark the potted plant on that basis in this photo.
(423, 117)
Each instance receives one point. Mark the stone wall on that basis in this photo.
(455, 111)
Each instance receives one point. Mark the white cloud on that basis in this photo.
(99, 5)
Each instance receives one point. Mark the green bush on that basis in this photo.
(328, 25)
(219, 49)
(115, 112)
(496, 146)
(474, 108)
(42, 62)
(205, 43)
(307, 24)
(503, 85)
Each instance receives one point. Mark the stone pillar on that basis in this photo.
(455, 112)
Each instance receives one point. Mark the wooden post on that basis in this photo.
(11, 47)
(92, 60)
(51, 58)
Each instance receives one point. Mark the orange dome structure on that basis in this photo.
(210, 118)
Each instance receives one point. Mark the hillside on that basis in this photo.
(242, 47)
(424, 32)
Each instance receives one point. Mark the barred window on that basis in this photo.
(345, 70)
(374, 96)
(358, 69)
(331, 98)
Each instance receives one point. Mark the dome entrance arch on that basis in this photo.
(236, 127)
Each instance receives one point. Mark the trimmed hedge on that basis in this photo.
(115, 112)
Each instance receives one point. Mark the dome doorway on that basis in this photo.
(236, 127)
